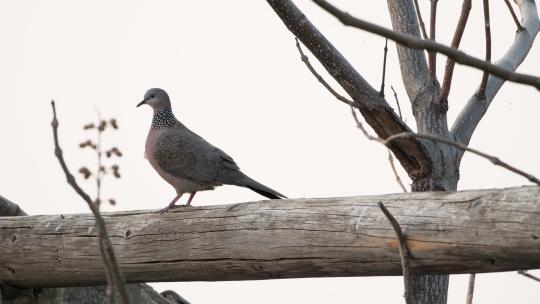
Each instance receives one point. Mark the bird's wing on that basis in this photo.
(184, 154)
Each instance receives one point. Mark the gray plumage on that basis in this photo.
(187, 161)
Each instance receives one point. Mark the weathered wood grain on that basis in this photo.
(137, 293)
(470, 231)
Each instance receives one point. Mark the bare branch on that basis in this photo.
(397, 102)
(404, 255)
(390, 158)
(305, 60)
(432, 23)
(472, 113)
(458, 34)
(419, 16)
(375, 109)
(470, 289)
(416, 43)
(487, 27)
(495, 160)
(114, 277)
(528, 275)
(516, 20)
(381, 93)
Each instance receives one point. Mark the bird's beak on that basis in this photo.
(142, 102)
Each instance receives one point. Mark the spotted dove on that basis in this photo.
(187, 161)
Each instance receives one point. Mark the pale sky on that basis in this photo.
(235, 77)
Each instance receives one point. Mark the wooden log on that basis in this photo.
(462, 232)
(137, 293)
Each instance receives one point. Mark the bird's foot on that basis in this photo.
(166, 209)
(169, 207)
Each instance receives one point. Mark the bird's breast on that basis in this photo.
(181, 184)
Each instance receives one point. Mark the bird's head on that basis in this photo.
(156, 98)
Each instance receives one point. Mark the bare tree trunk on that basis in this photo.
(423, 90)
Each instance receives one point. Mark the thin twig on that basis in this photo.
(99, 174)
(381, 93)
(417, 43)
(483, 84)
(404, 254)
(419, 16)
(390, 158)
(458, 34)
(528, 275)
(495, 160)
(305, 59)
(432, 23)
(112, 272)
(392, 164)
(520, 27)
(351, 103)
(397, 102)
(470, 289)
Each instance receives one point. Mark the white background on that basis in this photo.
(235, 77)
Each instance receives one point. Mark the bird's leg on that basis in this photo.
(188, 204)
(171, 204)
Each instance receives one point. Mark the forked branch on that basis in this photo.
(458, 34)
(493, 159)
(379, 115)
(471, 115)
(417, 43)
(305, 59)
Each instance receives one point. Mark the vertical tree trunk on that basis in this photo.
(423, 90)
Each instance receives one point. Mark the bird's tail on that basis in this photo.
(246, 181)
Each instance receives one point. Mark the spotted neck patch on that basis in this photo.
(163, 118)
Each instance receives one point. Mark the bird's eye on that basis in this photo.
(151, 96)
